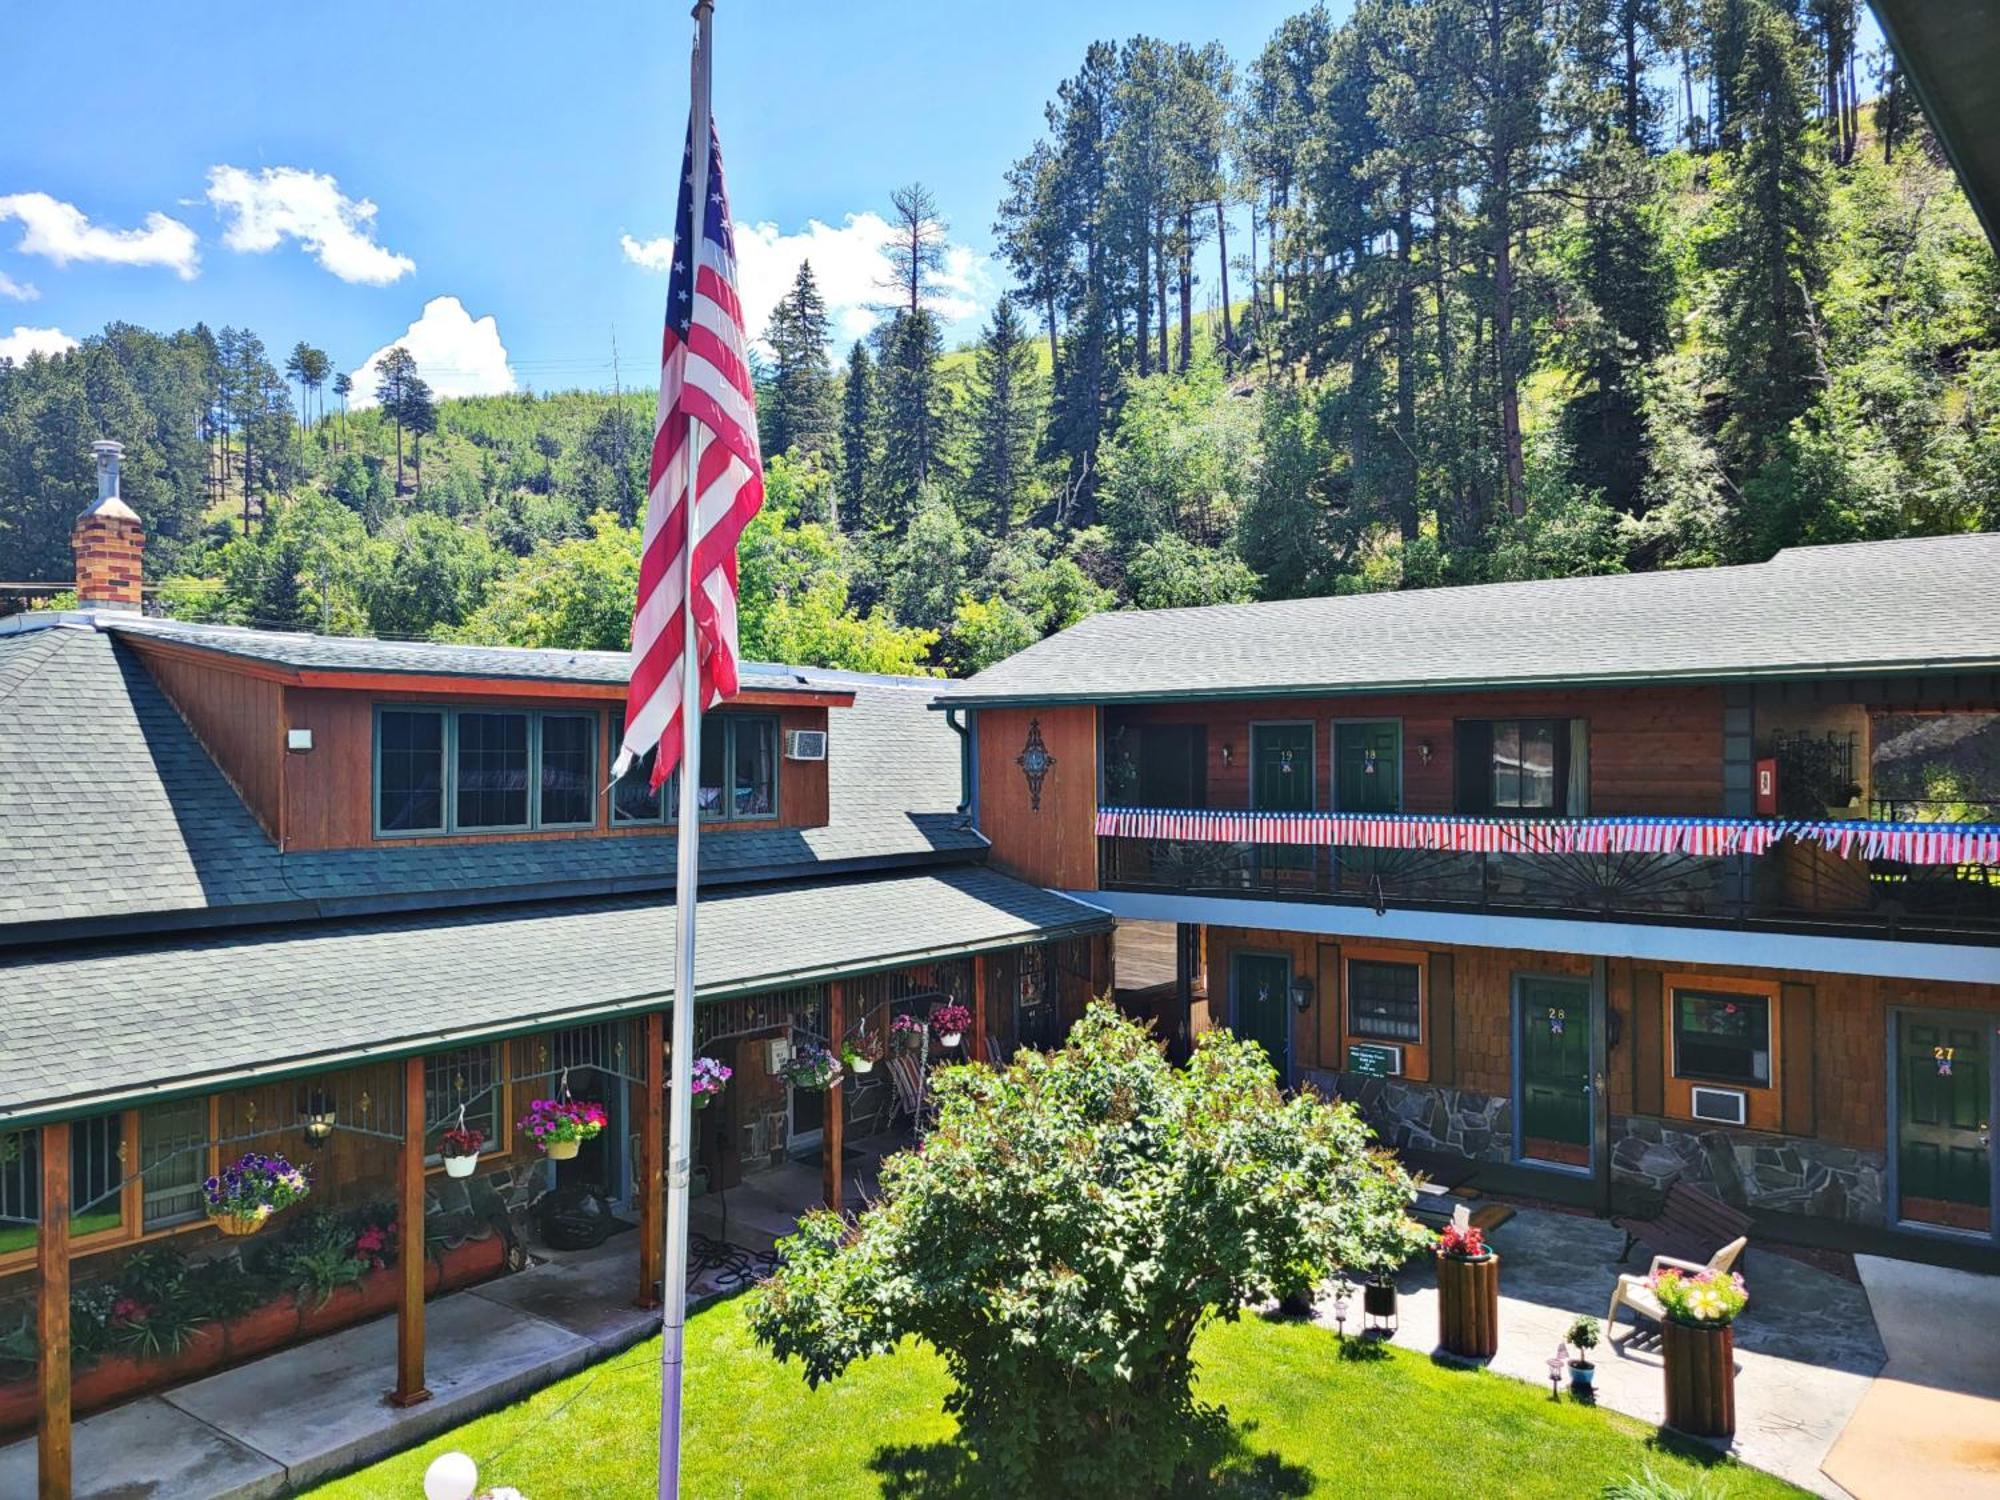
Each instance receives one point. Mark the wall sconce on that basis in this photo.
(1424, 751)
(1302, 993)
(1228, 754)
(320, 1116)
(298, 741)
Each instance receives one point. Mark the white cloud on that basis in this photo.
(848, 264)
(281, 203)
(459, 355)
(22, 342)
(62, 233)
(18, 291)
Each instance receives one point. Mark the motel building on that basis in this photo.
(1583, 889)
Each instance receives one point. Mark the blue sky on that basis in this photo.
(162, 169)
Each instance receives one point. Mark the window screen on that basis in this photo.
(569, 761)
(492, 770)
(1384, 1000)
(409, 767)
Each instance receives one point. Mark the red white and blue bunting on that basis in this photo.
(1910, 843)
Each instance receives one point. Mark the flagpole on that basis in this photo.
(673, 1315)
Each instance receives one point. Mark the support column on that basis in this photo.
(410, 1216)
(979, 1008)
(52, 1435)
(833, 1132)
(652, 1142)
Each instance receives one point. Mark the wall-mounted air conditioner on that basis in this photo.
(1722, 1106)
(805, 744)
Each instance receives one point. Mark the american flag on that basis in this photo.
(704, 376)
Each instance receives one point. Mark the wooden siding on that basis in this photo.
(239, 719)
(1653, 750)
(1054, 844)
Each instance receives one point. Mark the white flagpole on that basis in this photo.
(673, 1315)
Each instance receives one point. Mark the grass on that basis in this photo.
(1310, 1417)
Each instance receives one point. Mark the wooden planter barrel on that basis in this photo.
(1701, 1379)
(1469, 1306)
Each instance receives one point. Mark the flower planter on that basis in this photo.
(261, 1329)
(111, 1377)
(375, 1293)
(1582, 1377)
(1378, 1307)
(20, 1404)
(948, 1039)
(862, 1064)
(562, 1150)
(463, 1264)
(1701, 1378)
(461, 1166)
(1469, 1306)
(238, 1224)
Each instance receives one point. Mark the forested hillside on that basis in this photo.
(1448, 292)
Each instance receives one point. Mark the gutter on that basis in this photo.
(963, 731)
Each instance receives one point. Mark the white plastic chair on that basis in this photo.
(1633, 1292)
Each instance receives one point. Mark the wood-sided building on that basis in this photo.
(331, 897)
(1596, 882)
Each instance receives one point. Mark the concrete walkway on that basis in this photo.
(1930, 1425)
(1806, 1349)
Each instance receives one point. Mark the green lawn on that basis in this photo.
(1307, 1422)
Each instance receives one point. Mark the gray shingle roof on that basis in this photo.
(107, 1023)
(111, 813)
(362, 654)
(1867, 607)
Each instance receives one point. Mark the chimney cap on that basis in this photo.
(110, 446)
(111, 508)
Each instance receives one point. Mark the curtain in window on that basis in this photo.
(1577, 801)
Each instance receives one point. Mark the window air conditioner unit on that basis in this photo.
(805, 744)
(1723, 1106)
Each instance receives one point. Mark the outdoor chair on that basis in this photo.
(912, 1098)
(1633, 1291)
(1686, 1222)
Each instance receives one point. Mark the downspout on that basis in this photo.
(965, 764)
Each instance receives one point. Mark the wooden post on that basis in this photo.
(833, 1132)
(52, 1436)
(979, 1008)
(410, 1216)
(652, 1142)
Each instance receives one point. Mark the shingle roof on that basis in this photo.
(1868, 607)
(111, 813)
(303, 652)
(107, 1023)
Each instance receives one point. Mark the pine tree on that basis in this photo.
(417, 412)
(392, 387)
(860, 438)
(916, 411)
(1006, 419)
(798, 413)
(915, 246)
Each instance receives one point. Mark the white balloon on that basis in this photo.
(451, 1476)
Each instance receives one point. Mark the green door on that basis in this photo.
(1553, 1045)
(1368, 767)
(1281, 780)
(1944, 1095)
(1260, 1006)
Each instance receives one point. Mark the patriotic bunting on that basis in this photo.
(1909, 843)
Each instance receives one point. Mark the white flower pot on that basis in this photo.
(864, 1064)
(461, 1166)
(949, 1038)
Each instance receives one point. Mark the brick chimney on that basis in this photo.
(109, 541)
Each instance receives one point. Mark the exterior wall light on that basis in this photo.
(320, 1116)
(1302, 993)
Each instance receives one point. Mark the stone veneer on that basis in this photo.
(1778, 1173)
(1428, 1117)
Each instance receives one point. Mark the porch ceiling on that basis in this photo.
(129, 1023)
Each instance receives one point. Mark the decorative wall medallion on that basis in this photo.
(1035, 763)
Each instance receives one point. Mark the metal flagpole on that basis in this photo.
(673, 1302)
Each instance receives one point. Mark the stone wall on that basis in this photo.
(1428, 1117)
(1778, 1173)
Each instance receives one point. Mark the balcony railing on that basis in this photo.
(1794, 885)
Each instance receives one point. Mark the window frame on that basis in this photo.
(1764, 1102)
(669, 814)
(204, 1142)
(451, 827)
(1417, 1054)
(1351, 1021)
(1702, 1080)
(499, 1139)
(1558, 807)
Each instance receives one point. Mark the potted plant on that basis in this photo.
(559, 1126)
(250, 1189)
(1699, 1344)
(706, 1080)
(1582, 1336)
(1373, 1249)
(951, 1022)
(460, 1148)
(907, 1030)
(1468, 1291)
(812, 1067)
(861, 1052)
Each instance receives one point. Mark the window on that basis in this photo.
(409, 771)
(1158, 765)
(1384, 1000)
(467, 1078)
(483, 770)
(1523, 767)
(739, 775)
(173, 1161)
(95, 1176)
(1723, 1037)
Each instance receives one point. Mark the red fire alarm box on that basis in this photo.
(1767, 788)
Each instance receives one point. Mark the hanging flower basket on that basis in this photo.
(861, 1051)
(907, 1031)
(1468, 1294)
(951, 1022)
(1698, 1340)
(559, 1126)
(244, 1195)
(460, 1148)
(707, 1079)
(812, 1067)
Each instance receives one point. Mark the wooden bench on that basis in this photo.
(1689, 1225)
